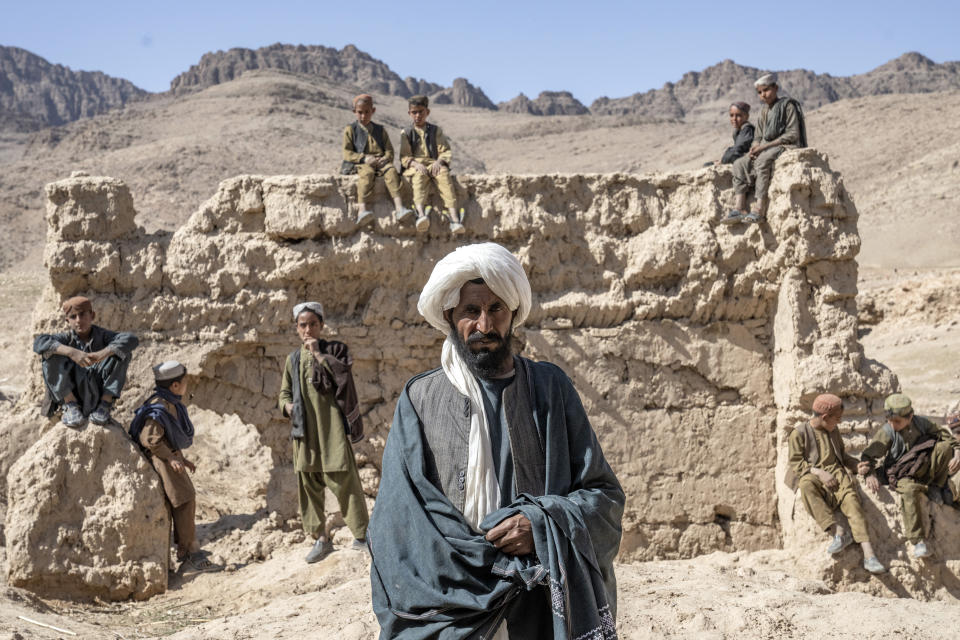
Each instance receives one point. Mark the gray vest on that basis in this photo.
(445, 417)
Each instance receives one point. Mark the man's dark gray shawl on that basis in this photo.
(434, 577)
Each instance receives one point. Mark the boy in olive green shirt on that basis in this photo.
(368, 153)
(425, 155)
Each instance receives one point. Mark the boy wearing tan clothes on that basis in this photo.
(163, 430)
(425, 155)
(368, 153)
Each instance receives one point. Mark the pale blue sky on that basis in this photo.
(592, 48)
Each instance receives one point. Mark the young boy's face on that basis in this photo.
(767, 93)
(737, 118)
(419, 115)
(309, 326)
(179, 387)
(364, 111)
(81, 321)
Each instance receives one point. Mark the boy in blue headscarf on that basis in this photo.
(163, 430)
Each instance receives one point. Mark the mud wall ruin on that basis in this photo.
(693, 345)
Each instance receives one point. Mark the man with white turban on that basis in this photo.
(497, 515)
(319, 396)
(780, 126)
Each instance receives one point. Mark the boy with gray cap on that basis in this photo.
(913, 455)
(780, 126)
(162, 428)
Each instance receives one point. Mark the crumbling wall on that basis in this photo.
(692, 344)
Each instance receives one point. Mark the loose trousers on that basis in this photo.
(63, 376)
(346, 486)
(421, 184)
(366, 177)
(821, 503)
(747, 171)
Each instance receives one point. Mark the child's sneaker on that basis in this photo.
(404, 215)
(101, 415)
(423, 223)
(72, 415)
(457, 229)
(364, 217)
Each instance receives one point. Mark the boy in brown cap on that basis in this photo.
(84, 368)
(425, 155)
(825, 473)
(368, 153)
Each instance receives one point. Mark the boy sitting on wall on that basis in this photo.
(425, 155)
(368, 153)
(85, 368)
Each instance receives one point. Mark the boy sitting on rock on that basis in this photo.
(84, 368)
(425, 155)
(781, 126)
(162, 428)
(368, 153)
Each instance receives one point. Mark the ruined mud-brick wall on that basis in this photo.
(689, 342)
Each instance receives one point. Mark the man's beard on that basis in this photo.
(484, 364)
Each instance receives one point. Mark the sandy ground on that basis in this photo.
(721, 595)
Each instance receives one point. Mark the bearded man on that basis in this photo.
(497, 515)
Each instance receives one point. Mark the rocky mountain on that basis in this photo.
(464, 94)
(35, 93)
(347, 65)
(548, 103)
(700, 94)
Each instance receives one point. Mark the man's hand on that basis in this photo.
(757, 150)
(826, 478)
(312, 345)
(288, 408)
(190, 465)
(954, 465)
(873, 484)
(436, 168)
(176, 465)
(422, 170)
(513, 536)
(371, 160)
(863, 468)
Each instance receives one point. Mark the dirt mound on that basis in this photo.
(86, 517)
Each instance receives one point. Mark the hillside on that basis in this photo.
(699, 95)
(35, 94)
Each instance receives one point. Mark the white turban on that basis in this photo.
(503, 273)
(316, 307)
(500, 270)
(766, 80)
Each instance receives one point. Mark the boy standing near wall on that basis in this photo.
(319, 396)
(162, 428)
(425, 155)
(368, 153)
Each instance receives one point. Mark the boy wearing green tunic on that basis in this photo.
(368, 153)
(319, 396)
(935, 457)
(824, 470)
(425, 156)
